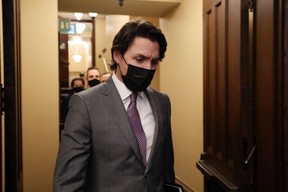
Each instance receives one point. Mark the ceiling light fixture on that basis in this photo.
(80, 27)
(77, 58)
(92, 14)
(78, 15)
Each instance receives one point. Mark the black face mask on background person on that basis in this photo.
(78, 89)
(93, 82)
(137, 78)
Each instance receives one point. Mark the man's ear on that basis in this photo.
(117, 56)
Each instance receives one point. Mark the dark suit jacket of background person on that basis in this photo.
(99, 150)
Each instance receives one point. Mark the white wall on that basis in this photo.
(40, 96)
(181, 76)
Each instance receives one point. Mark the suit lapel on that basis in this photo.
(156, 112)
(115, 106)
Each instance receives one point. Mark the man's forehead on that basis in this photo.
(78, 81)
(93, 71)
(144, 47)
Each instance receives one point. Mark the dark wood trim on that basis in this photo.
(93, 41)
(12, 85)
(269, 94)
(1, 123)
(284, 23)
(280, 99)
(214, 176)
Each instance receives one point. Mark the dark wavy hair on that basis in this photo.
(75, 79)
(137, 28)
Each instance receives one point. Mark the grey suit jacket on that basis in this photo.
(98, 151)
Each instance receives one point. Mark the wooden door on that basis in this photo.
(227, 162)
(245, 138)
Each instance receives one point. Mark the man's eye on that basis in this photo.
(155, 62)
(139, 60)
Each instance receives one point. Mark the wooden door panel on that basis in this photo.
(225, 93)
(216, 119)
(216, 90)
(245, 96)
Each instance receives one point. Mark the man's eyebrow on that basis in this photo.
(147, 57)
(156, 58)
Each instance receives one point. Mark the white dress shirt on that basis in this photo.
(144, 109)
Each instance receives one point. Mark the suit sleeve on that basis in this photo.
(168, 174)
(74, 149)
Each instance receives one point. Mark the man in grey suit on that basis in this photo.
(99, 150)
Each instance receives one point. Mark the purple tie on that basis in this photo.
(135, 121)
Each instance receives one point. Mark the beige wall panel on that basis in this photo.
(101, 49)
(40, 96)
(181, 76)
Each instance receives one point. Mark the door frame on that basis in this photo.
(269, 95)
(285, 122)
(12, 96)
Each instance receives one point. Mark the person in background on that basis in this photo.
(117, 136)
(92, 76)
(77, 84)
(104, 76)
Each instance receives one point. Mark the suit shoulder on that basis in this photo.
(93, 91)
(158, 93)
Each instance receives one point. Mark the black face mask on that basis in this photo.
(137, 78)
(93, 82)
(78, 89)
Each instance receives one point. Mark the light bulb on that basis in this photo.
(92, 14)
(77, 58)
(80, 27)
(78, 15)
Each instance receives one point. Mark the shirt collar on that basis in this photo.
(124, 92)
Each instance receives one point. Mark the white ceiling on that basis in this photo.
(149, 8)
